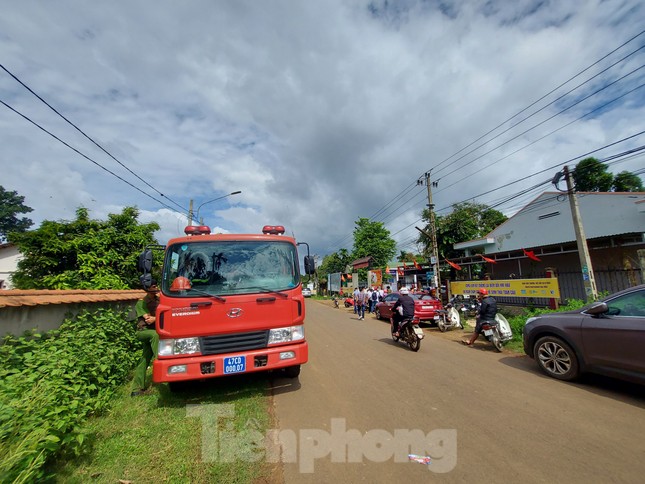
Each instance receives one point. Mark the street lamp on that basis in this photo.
(213, 200)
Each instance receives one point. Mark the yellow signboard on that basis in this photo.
(510, 287)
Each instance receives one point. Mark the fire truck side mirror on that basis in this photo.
(310, 264)
(146, 280)
(145, 261)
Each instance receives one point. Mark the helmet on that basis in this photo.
(483, 291)
(404, 290)
(180, 284)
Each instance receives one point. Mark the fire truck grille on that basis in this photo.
(214, 345)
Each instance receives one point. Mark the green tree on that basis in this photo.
(372, 239)
(467, 221)
(83, 253)
(335, 262)
(12, 204)
(591, 175)
(627, 181)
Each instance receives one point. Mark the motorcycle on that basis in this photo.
(449, 319)
(409, 332)
(497, 332)
(349, 302)
(334, 300)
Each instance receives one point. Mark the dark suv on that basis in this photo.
(606, 337)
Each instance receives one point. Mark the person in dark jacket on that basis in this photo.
(487, 312)
(406, 302)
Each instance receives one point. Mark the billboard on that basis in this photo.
(548, 288)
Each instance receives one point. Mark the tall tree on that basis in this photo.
(627, 181)
(83, 253)
(591, 175)
(373, 239)
(467, 221)
(12, 204)
(335, 262)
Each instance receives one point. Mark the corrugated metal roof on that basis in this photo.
(33, 297)
(547, 221)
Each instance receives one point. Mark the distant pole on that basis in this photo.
(434, 258)
(583, 250)
(190, 212)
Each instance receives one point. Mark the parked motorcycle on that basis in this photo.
(449, 318)
(466, 306)
(497, 332)
(409, 332)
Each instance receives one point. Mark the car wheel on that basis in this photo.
(556, 358)
(377, 313)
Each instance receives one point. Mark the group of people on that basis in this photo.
(366, 298)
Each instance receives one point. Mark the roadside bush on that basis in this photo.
(517, 322)
(51, 383)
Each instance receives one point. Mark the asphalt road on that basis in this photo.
(362, 400)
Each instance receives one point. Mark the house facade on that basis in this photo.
(9, 257)
(614, 226)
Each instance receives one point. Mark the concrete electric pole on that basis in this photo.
(583, 250)
(434, 250)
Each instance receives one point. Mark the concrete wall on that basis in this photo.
(18, 319)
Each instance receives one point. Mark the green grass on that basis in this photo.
(158, 437)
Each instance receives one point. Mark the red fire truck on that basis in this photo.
(229, 304)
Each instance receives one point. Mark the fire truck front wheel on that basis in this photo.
(292, 371)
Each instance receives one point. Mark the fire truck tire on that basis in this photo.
(178, 386)
(292, 371)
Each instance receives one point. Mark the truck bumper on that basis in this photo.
(183, 368)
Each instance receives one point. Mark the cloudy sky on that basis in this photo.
(319, 112)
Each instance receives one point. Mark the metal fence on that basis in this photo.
(572, 286)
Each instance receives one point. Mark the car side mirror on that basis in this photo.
(597, 309)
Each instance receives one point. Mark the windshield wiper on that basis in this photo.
(264, 289)
(207, 294)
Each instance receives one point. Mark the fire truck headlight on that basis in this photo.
(286, 335)
(180, 346)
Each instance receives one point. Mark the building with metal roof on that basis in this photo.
(614, 226)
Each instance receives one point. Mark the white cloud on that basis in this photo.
(319, 112)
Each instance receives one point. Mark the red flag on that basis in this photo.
(349, 276)
(531, 255)
(342, 277)
(387, 269)
(401, 270)
(416, 264)
(488, 259)
(452, 264)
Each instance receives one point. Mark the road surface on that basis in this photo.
(363, 402)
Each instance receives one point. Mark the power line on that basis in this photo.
(86, 136)
(85, 156)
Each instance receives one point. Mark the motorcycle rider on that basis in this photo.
(406, 302)
(487, 312)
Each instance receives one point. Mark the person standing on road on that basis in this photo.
(361, 299)
(146, 310)
(487, 312)
(356, 293)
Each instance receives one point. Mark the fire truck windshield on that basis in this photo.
(229, 267)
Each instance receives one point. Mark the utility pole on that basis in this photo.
(190, 212)
(434, 252)
(583, 250)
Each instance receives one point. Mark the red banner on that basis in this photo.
(488, 259)
(452, 264)
(531, 255)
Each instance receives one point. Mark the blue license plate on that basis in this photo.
(234, 364)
